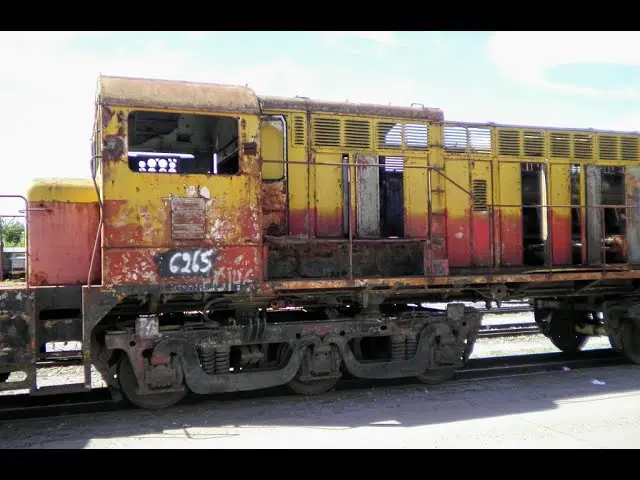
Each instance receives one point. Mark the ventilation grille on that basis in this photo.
(560, 145)
(608, 147)
(479, 195)
(583, 146)
(393, 164)
(416, 136)
(394, 135)
(299, 134)
(509, 143)
(475, 140)
(629, 148)
(326, 132)
(533, 143)
(357, 134)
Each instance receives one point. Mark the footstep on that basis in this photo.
(598, 382)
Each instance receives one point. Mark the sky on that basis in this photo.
(563, 79)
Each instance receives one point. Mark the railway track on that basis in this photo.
(21, 407)
(509, 330)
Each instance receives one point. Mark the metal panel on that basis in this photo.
(368, 196)
(594, 215)
(632, 187)
(560, 232)
(510, 241)
(188, 218)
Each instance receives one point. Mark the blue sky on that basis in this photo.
(570, 79)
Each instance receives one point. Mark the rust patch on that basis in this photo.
(250, 148)
(188, 218)
(107, 115)
(222, 269)
(177, 95)
(113, 147)
(118, 231)
(17, 342)
(282, 103)
(274, 208)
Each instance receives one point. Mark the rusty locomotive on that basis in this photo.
(226, 241)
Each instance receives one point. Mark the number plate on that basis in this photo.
(187, 262)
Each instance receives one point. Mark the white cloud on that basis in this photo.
(526, 56)
(47, 94)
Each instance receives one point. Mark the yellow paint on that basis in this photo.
(70, 190)
(297, 167)
(146, 195)
(415, 194)
(458, 202)
(272, 142)
(560, 190)
(328, 188)
(509, 193)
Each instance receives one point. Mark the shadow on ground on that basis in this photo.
(387, 407)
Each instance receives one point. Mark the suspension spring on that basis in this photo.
(223, 359)
(397, 347)
(411, 344)
(207, 358)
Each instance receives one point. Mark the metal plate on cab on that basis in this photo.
(188, 218)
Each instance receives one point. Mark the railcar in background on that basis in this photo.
(227, 241)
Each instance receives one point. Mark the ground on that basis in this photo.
(596, 408)
(591, 408)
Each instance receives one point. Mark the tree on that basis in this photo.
(12, 232)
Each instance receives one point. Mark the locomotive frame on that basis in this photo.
(303, 250)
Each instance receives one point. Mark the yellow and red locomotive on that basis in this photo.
(227, 241)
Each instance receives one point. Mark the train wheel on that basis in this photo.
(4, 377)
(437, 376)
(309, 388)
(305, 387)
(129, 383)
(561, 330)
(440, 375)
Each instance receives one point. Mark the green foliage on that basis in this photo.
(12, 231)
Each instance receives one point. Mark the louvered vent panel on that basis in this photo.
(479, 140)
(357, 134)
(389, 135)
(629, 149)
(299, 134)
(582, 146)
(455, 139)
(509, 143)
(326, 132)
(560, 145)
(476, 140)
(479, 195)
(607, 147)
(533, 144)
(416, 136)
(393, 164)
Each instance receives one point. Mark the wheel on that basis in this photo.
(128, 384)
(4, 377)
(437, 376)
(315, 387)
(561, 331)
(300, 387)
